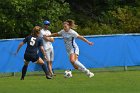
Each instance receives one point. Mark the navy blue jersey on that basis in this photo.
(33, 45)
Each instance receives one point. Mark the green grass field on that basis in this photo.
(103, 82)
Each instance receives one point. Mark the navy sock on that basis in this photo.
(24, 70)
(45, 69)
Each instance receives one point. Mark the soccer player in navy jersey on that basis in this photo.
(34, 42)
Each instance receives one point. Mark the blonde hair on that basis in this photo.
(71, 23)
(36, 30)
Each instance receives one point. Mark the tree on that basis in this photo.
(17, 17)
(127, 19)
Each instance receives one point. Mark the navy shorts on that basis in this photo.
(30, 57)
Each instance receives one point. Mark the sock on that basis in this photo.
(45, 69)
(24, 70)
(81, 67)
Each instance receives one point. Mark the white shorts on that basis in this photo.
(50, 54)
(73, 50)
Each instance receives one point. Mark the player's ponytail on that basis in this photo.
(36, 31)
(72, 23)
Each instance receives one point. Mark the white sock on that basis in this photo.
(81, 67)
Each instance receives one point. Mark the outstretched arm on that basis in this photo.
(50, 39)
(85, 40)
(19, 46)
(43, 52)
(53, 35)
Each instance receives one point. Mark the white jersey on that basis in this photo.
(69, 40)
(46, 44)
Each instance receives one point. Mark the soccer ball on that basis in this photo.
(67, 74)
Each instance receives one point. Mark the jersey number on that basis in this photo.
(32, 42)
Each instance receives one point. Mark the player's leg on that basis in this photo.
(48, 61)
(51, 61)
(83, 68)
(79, 65)
(50, 58)
(73, 59)
(51, 70)
(76, 63)
(24, 69)
(41, 62)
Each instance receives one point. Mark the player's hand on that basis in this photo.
(90, 43)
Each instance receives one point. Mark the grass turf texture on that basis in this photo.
(103, 82)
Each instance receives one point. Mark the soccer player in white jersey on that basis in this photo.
(69, 36)
(47, 43)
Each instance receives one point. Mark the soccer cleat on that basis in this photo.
(90, 75)
(48, 77)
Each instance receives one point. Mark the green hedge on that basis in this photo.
(18, 17)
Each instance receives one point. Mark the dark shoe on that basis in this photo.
(21, 78)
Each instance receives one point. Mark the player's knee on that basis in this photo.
(41, 63)
(72, 61)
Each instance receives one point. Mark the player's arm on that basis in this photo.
(43, 52)
(42, 48)
(84, 39)
(53, 35)
(51, 39)
(19, 46)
